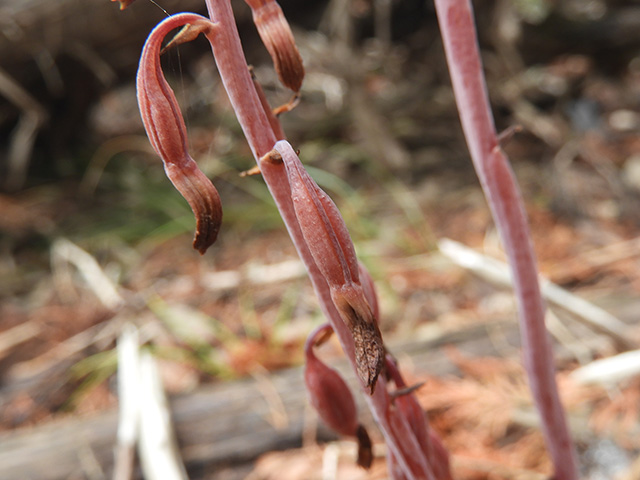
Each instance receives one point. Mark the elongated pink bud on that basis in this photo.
(330, 396)
(167, 132)
(328, 240)
(276, 35)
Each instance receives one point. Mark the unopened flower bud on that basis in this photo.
(167, 131)
(330, 245)
(276, 35)
(330, 396)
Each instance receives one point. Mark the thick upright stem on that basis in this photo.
(255, 124)
(498, 182)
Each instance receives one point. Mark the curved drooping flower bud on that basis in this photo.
(332, 399)
(167, 131)
(276, 35)
(328, 240)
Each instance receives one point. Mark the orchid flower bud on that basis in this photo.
(276, 35)
(167, 131)
(332, 399)
(328, 240)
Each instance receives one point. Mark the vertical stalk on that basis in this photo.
(237, 81)
(496, 177)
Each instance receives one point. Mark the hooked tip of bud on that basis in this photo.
(204, 200)
(276, 35)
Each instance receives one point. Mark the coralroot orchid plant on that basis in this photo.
(344, 288)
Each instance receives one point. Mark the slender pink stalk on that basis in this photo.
(255, 124)
(496, 177)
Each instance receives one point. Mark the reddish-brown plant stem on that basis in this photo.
(255, 124)
(496, 177)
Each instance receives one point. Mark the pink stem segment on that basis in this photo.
(496, 177)
(255, 124)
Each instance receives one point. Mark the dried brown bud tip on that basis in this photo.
(369, 348)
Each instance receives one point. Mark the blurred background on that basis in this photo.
(93, 236)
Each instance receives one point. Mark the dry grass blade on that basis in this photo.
(129, 382)
(157, 443)
(17, 335)
(498, 272)
(32, 117)
(64, 251)
(610, 370)
(63, 350)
